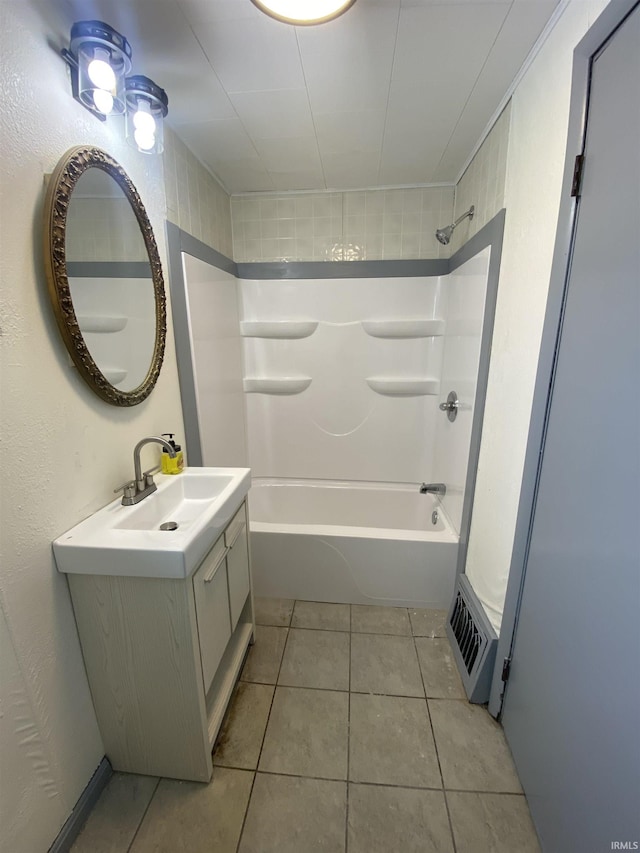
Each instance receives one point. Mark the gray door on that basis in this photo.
(572, 706)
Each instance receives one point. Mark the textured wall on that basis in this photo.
(483, 182)
(64, 449)
(195, 200)
(367, 225)
(535, 163)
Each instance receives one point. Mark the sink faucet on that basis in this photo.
(439, 489)
(142, 485)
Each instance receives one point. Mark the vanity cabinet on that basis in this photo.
(163, 654)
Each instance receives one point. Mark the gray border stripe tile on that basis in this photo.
(287, 270)
(108, 269)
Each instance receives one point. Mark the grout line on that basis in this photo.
(244, 820)
(144, 814)
(322, 630)
(344, 631)
(375, 784)
(435, 745)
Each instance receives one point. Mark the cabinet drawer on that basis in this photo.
(237, 568)
(212, 610)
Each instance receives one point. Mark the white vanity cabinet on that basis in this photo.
(163, 654)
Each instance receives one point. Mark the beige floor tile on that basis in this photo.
(318, 614)
(428, 623)
(397, 820)
(382, 664)
(439, 671)
(263, 661)
(473, 752)
(370, 619)
(307, 734)
(188, 817)
(240, 739)
(492, 823)
(291, 815)
(316, 659)
(116, 816)
(273, 611)
(391, 743)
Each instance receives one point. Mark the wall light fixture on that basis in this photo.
(303, 12)
(100, 58)
(147, 105)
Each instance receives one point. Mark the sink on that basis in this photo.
(127, 540)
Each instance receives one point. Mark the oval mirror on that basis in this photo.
(104, 276)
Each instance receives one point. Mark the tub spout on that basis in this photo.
(433, 489)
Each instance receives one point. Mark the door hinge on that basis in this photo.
(506, 669)
(576, 183)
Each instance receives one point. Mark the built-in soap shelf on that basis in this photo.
(390, 386)
(113, 374)
(283, 329)
(281, 385)
(410, 328)
(101, 323)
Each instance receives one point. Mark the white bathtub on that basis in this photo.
(352, 543)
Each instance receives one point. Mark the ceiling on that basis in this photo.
(392, 93)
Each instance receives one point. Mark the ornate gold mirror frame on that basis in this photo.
(58, 197)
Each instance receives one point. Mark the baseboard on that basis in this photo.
(82, 808)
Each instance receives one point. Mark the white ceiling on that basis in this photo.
(393, 92)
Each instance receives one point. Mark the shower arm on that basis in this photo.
(469, 213)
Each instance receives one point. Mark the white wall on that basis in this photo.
(465, 292)
(64, 449)
(216, 350)
(535, 162)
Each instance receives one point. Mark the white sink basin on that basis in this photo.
(127, 540)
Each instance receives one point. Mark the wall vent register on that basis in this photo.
(473, 640)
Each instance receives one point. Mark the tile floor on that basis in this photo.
(348, 732)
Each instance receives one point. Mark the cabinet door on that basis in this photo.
(212, 610)
(237, 564)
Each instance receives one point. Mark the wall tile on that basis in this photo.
(362, 225)
(483, 182)
(196, 202)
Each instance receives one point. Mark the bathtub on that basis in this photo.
(351, 543)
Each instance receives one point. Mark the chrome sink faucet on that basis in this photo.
(142, 485)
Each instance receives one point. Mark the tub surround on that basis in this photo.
(324, 541)
(360, 407)
(342, 377)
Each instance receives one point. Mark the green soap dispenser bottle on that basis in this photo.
(169, 465)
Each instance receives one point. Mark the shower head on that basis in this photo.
(443, 235)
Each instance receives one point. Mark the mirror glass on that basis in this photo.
(110, 279)
(104, 276)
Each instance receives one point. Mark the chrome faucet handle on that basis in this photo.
(148, 475)
(128, 489)
(451, 406)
